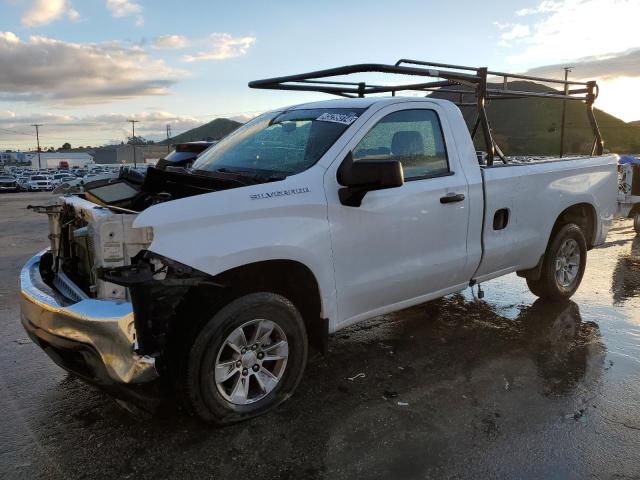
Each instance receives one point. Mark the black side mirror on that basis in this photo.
(363, 176)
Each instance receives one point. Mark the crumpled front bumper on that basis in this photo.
(91, 338)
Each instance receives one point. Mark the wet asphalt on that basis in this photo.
(504, 387)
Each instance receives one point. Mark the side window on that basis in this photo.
(413, 137)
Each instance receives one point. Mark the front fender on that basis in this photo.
(215, 232)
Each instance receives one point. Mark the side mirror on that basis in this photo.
(363, 176)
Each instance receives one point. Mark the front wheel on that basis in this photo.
(248, 358)
(563, 265)
(636, 222)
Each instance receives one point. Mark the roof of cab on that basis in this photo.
(363, 102)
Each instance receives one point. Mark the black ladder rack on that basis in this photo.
(468, 81)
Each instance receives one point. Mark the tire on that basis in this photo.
(636, 222)
(552, 284)
(219, 401)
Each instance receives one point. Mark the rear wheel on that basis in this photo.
(248, 358)
(563, 265)
(636, 222)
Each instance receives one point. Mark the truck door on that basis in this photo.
(402, 245)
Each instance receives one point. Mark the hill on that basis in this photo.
(635, 122)
(532, 125)
(214, 130)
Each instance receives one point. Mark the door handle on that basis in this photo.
(452, 198)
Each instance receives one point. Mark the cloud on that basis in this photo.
(9, 38)
(46, 69)
(617, 74)
(543, 7)
(91, 129)
(222, 46)
(73, 15)
(171, 42)
(605, 67)
(123, 8)
(597, 37)
(567, 29)
(512, 32)
(43, 12)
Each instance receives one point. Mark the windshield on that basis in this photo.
(38, 177)
(280, 143)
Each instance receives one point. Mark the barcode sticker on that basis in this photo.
(344, 118)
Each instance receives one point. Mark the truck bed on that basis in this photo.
(535, 192)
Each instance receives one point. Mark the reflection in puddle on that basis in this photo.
(563, 347)
(626, 274)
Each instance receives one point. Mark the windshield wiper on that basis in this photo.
(257, 176)
(225, 176)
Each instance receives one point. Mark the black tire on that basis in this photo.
(200, 387)
(548, 286)
(636, 222)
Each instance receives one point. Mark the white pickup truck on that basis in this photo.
(300, 223)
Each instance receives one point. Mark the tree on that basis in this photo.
(66, 146)
(135, 140)
(139, 141)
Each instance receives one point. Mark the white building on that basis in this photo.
(56, 159)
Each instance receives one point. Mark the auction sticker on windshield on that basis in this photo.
(344, 118)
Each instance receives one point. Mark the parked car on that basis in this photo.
(92, 177)
(22, 182)
(39, 182)
(58, 178)
(300, 223)
(8, 183)
(183, 155)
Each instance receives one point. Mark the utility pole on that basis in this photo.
(133, 139)
(564, 109)
(38, 125)
(168, 137)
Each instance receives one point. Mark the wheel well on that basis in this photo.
(583, 215)
(291, 279)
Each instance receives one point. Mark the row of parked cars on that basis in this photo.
(26, 180)
(73, 179)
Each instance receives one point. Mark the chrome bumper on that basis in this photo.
(92, 338)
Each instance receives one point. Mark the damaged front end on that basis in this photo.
(98, 301)
(156, 286)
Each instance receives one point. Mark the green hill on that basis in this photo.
(214, 130)
(532, 125)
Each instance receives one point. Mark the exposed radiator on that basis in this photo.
(67, 288)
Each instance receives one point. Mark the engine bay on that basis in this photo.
(136, 192)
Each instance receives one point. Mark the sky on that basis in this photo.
(81, 68)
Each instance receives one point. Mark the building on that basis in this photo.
(124, 154)
(53, 159)
(10, 157)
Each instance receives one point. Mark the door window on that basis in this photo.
(413, 137)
